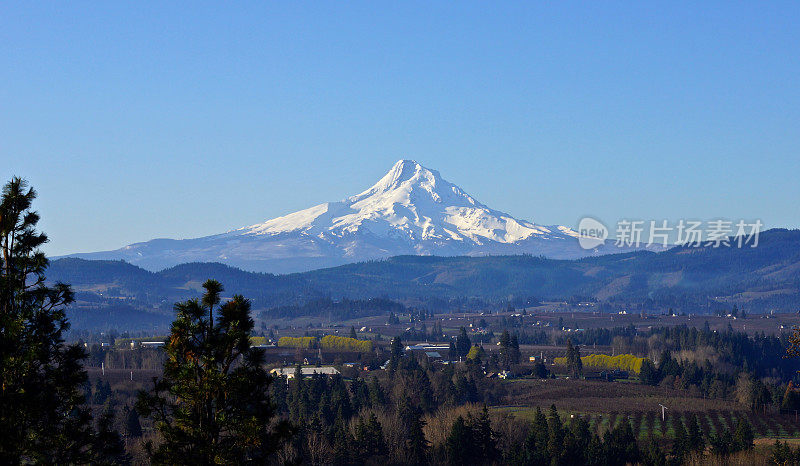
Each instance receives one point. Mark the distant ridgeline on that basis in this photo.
(687, 279)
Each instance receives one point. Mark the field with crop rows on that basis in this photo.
(606, 404)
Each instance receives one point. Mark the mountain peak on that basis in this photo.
(410, 210)
(404, 171)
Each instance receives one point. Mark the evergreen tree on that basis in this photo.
(695, 433)
(782, 454)
(107, 446)
(722, 444)
(505, 349)
(652, 454)
(648, 373)
(102, 391)
(133, 427)
(459, 444)
(353, 332)
(574, 362)
(463, 343)
(212, 404)
(369, 437)
(415, 445)
(42, 414)
(342, 444)
(540, 370)
(681, 444)
(743, 435)
(484, 438)
(515, 353)
(555, 430)
(620, 445)
(396, 353)
(377, 397)
(535, 446)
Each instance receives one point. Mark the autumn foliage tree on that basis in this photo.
(212, 405)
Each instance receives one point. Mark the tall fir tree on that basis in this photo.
(415, 445)
(42, 412)
(212, 405)
(463, 343)
(133, 427)
(459, 445)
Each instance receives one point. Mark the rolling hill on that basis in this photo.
(757, 279)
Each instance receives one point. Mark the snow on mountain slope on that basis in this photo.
(411, 210)
(411, 202)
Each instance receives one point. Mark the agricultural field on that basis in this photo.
(605, 404)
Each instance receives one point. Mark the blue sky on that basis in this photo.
(139, 120)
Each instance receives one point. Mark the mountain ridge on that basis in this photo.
(686, 278)
(410, 210)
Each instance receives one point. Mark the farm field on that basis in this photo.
(606, 404)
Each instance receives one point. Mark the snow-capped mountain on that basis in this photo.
(411, 210)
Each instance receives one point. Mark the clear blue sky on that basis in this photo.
(139, 120)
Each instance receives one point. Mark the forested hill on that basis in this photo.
(758, 279)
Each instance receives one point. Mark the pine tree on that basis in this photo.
(460, 444)
(416, 446)
(377, 397)
(107, 446)
(695, 433)
(396, 353)
(212, 404)
(681, 444)
(505, 349)
(652, 454)
(369, 437)
(484, 438)
(648, 373)
(463, 343)
(133, 427)
(555, 430)
(743, 435)
(574, 363)
(620, 445)
(515, 353)
(535, 446)
(42, 414)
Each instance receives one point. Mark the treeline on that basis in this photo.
(623, 362)
(297, 342)
(327, 342)
(380, 418)
(759, 354)
(418, 413)
(337, 343)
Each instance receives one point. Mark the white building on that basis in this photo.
(288, 372)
